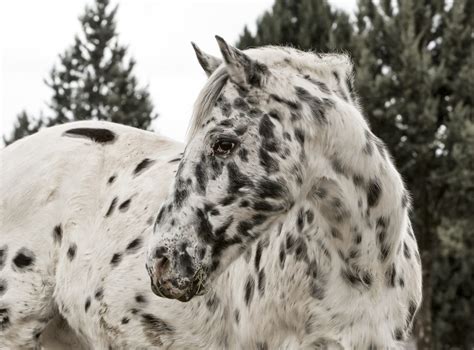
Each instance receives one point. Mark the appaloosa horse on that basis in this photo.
(286, 225)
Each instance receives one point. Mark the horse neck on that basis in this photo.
(355, 188)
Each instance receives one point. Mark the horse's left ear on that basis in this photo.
(208, 63)
(243, 70)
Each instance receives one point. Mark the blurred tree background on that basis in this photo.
(93, 80)
(414, 62)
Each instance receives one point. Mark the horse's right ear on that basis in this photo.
(208, 63)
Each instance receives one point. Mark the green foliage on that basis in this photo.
(414, 71)
(305, 24)
(24, 125)
(94, 79)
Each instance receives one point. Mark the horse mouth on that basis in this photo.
(167, 290)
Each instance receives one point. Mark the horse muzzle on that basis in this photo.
(167, 285)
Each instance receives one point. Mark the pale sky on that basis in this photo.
(158, 34)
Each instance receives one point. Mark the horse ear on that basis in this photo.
(242, 69)
(208, 63)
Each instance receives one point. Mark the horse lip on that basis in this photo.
(196, 288)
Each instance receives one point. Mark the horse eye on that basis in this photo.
(223, 148)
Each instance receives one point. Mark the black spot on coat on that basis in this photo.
(116, 258)
(140, 298)
(4, 319)
(237, 180)
(317, 106)
(374, 191)
(95, 134)
(289, 103)
(99, 293)
(154, 328)
(87, 304)
(134, 245)
(267, 161)
(71, 252)
(142, 166)
(111, 207)
(271, 189)
(248, 290)
(57, 234)
(258, 255)
(261, 282)
(123, 207)
(406, 250)
(3, 255)
(24, 258)
(3, 286)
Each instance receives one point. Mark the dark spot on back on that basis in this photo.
(24, 258)
(99, 293)
(57, 234)
(134, 245)
(236, 316)
(111, 207)
(95, 134)
(87, 304)
(174, 160)
(142, 166)
(3, 286)
(111, 179)
(71, 252)
(116, 258)
(123, 207)
(3, 256)
(4, 319)
(140, 298)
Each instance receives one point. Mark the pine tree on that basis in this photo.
(304, 24)
(94, 79)
(24, 125)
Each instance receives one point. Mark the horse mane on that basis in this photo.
(206, 99)
(335, 70)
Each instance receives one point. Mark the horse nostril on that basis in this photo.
(162, 263)
(160, 252)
